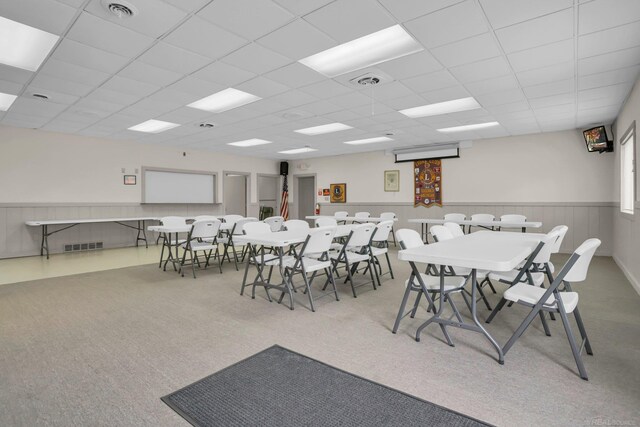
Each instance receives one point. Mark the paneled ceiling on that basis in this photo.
(533, 66)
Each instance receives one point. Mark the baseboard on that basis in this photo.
(634, 282)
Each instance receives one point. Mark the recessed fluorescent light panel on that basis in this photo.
(153, 126)
(319, 130)
(225, 100)
(6, 100)
(249, 142)
(23, 46)
(454, 106)
(384, 45)
(298, 150)
(468, 127)
(368, 140)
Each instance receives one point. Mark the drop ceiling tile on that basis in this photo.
(256, 59)
(325, 89)
(24, 120)
(452, 24)
(118, 121)
(432, 81)
(10, 88)
(268, 106)
(15, 75)
(497, 98)
(548, 89)
(295, 75)
(153, 19)
(294, 98)
(148, 73)
(614, 93)
(608, 78)
(88, 57)
(411, 65)
(197, 87)
(373, 111)
(481, 70)
(78, 115)
(342, 116)
(60, 85)
(404, 102)
(609, 61)
(610, 40)
(130, 87)
(95, 105)
(542, 56)
(223, 74)
(337, 19)
(496, 84)
(106, 95)
(64, 70)
(188, 5)
(300, 8)
(351, 99)
(63, 126)
(36, 107)
(467, 51)
(600, 15)
(249, 19)
(46, 15)
(559, 71)
(537, 32)
(196, 35)
(410, 9)
(74, 3)
(445, 94)
(173, 97)
(262, 87)
(108, 36)
(385, 91)
(502, 13)
(57, 97)
(555, 112)
(553, 100)
(297, 40)
(320, 108)
(173, 58)
(187, 115)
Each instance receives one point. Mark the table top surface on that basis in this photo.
(352, 218)
(498, 223)
(88, 220)
(484, 250)
(289, 237)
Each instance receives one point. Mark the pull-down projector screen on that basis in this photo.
(178, 186)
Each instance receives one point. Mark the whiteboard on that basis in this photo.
(168, 186)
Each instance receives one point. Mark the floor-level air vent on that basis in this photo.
(79, 247)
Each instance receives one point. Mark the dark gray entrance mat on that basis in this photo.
(278, 387)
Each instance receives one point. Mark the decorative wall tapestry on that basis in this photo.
(427, 183)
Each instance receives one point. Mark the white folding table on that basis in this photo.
(425, 222)
(171, 245)
(44, 245)
(352, 218)
(483, 250)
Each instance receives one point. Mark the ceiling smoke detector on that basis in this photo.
(366, 81)
(120, 8)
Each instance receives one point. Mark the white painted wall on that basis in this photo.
(626, 228)
(549, 167)
(49, 167)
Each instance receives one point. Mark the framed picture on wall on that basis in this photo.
(129, 180)
(338, 193)
(392, 180)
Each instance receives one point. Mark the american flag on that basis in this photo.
(284, 207)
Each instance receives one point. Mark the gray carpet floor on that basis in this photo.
(102, 348)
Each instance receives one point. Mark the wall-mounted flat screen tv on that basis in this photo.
(596, 139)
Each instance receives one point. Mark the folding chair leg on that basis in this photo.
(329, 274)
(486, 302)
(372, 266)
(466, 301)
(496, 310)
(350, 279)
(416, 304)
(308, 288)
(454, 308)
(544, 324)
(235, 255)
(583, 332)
(572, 342)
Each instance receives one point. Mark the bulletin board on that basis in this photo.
(427, 183)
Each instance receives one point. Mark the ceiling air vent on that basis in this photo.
(121, 9)
(370, 78)
(206, 125)
(365, 81)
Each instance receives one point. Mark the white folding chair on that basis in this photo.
(317, 243)
(228, 242)
(379, 247)
(482, 218)
(296, 225)
(232, 218)
(454, 228)
(556, 246)
(424, 284)
(390, 216)
(455, 217)
(326, 221)
(170, 221)
(361, 217)
(202, 238)
(441, 233)
(356, 250)
(260, 257)
(340, 215)
(205, 218)
(553, 300)
(512, 218)
(275, 222)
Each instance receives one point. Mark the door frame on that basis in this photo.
(297, 191)
(247, 176)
